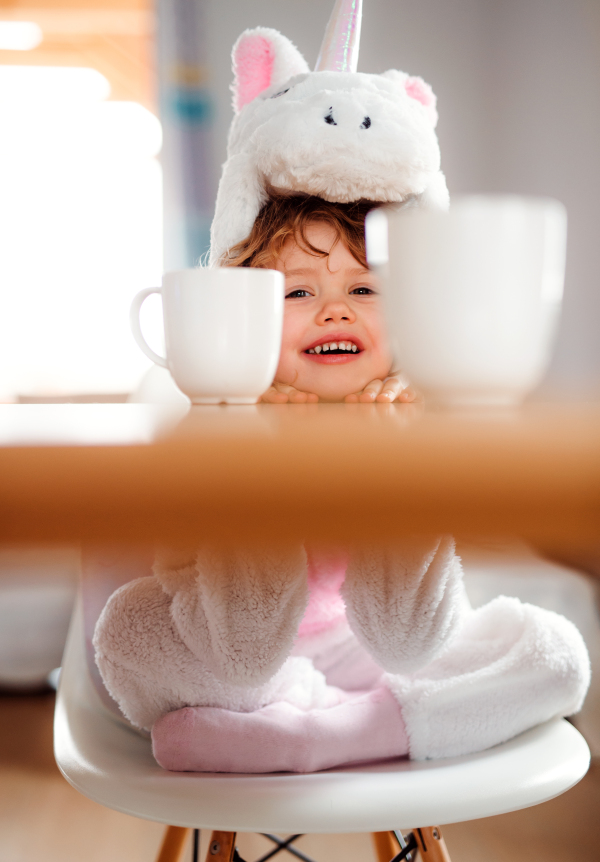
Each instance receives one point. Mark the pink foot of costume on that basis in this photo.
(280, 737)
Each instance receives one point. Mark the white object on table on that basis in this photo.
(473, 295)
(222, 331)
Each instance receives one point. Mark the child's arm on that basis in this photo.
(405, 603)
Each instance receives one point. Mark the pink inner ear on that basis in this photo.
(253, 63)
(418, 89)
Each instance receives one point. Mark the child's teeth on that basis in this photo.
(348, 346)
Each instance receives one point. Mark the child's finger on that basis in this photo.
(285, 389)
(391, 388)
(297, 397)
(293, 395)
(371, 391)
(273, 396)
(407, 395)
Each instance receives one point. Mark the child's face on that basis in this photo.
(329, 300)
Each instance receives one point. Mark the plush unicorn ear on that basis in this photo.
(420, 90)
(417, 89)
(262, 58)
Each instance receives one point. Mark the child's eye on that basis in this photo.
(362, 291)
(300, 293)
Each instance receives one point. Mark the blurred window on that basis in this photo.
(19, 35)
(80, 221)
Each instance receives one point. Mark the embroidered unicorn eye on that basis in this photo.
(281, 92)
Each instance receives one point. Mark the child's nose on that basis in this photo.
(336, 312)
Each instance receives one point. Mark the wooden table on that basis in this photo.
(336, 473)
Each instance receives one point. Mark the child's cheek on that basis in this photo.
(382, 348)
(287, 370)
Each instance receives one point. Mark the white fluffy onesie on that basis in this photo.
(210, 635)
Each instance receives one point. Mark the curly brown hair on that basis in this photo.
(286, 215)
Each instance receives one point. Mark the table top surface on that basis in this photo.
(338, 472)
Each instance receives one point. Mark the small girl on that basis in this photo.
(302, 659)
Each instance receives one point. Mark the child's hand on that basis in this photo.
(282, 393)
(393, 388)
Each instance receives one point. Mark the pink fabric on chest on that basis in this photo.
(326, 573)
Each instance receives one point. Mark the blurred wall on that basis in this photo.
(518, 84)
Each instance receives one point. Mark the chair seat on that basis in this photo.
(110, 763)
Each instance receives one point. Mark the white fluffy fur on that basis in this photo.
(217, 633)
(511, 667)
(281, 139)
(218, 630)
(405, 605)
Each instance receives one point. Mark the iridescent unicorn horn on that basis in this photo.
(339, 51)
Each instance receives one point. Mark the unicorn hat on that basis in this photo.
(336, 133)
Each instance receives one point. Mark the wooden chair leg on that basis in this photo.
(430, 844)
(173, 842)
(432, 847)
(386, 846)
(221, 847)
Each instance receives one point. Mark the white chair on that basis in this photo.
(110, 763)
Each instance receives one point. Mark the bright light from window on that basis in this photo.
(19, 35)
(34, 84)
(124, 129)
(80, 221)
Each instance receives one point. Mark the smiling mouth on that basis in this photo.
(335, 348)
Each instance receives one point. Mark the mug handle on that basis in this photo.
(134, 322)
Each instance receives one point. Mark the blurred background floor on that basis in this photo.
(42, 817)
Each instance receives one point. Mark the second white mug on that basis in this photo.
(472, 296)
(222, 331)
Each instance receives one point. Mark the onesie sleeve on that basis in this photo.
(405, 603)
(239, 609)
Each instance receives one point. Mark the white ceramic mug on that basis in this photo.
(472, 296)
(222, 331)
